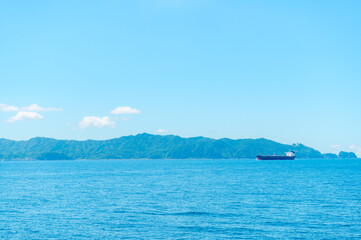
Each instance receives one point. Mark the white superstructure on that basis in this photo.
(290, 154)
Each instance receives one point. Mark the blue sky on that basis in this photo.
(283, 70)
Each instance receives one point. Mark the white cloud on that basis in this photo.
(8, 108)
(94, 121)
(23, 115)
(37, 108)
(125, 110)
(335, 146)
(162, 131)
(30, 108)
(356, 149)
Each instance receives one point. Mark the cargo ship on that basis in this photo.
(290, 155)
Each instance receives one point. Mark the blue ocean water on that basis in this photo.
(181, 199)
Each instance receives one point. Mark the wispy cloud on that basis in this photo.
(335, 146)
(125, 110)
(23, 115)
(94, 121)
(356, 149)
(162, 131)
(30, 108)
(8, 108)
(37, 108)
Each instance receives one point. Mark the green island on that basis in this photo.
(148, 146)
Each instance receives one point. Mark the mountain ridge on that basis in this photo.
(149, 146)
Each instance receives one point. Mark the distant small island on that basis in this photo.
(148, 146)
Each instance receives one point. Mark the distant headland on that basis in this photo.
(148, 146)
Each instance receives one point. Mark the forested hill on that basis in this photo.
(148, 146)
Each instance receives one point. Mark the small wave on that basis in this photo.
(200, 228)
(191, 213)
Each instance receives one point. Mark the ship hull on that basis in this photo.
(260, 157)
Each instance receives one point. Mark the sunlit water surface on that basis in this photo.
(181, 199)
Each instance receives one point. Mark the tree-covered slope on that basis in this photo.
(147, 146)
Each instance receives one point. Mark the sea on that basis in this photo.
(181, 199)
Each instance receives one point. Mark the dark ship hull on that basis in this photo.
(260, 157)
